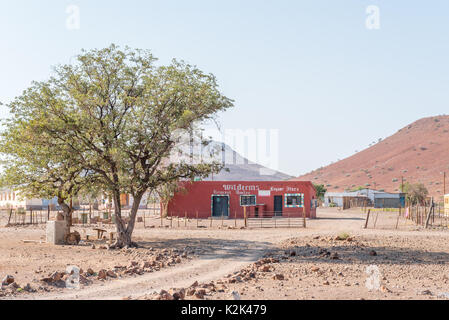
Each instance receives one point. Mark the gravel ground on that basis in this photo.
(306, 263)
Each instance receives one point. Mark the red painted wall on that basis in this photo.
(197, 197)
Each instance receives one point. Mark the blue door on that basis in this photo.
(220, 206)
(278, 203)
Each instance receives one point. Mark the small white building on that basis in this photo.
(10, 199)
(370, 197)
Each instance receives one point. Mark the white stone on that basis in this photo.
(73, 280)
(56, 230)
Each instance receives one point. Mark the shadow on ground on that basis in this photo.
(366, 255)
(212, 248)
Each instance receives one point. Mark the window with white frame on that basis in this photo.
(295, 200)
(249, 200)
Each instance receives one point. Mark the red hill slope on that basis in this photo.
(418, 152)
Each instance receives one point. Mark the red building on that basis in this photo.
(229, 198)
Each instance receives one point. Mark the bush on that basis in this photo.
(343, 236)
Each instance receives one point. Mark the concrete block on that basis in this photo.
(56, 231)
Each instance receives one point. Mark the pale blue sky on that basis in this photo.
(308, 68)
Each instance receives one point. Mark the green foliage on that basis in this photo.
(343, 236)
(167, 191)
(357, 188)
(415, 193)
(320, 190)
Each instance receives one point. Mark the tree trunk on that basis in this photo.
(164, 205)
(132, 218)
(124, 233)
(66, 212)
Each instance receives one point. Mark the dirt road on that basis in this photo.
(206, 268)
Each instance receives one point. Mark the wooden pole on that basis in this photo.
(375, 220)
(367, 219)
(244, 217)
(235, 219)
(304, 216)
(185, 220)
(399, 215)
(198, 220)
(429, 214)
(171, 219)
(10, 214)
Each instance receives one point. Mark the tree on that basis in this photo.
(415, 193)
(166, 192)
(320, 190)
(31, 161)
(119, 118)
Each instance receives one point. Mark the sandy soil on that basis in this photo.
(412, 263)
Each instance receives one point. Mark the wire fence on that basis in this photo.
(407, 218)
(81, 216)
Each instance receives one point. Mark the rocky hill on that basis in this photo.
(418, 152)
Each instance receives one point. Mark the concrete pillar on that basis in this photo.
(56, 231)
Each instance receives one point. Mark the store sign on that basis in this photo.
(264, 193)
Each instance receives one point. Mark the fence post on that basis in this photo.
(244, 216)
(289, 219)
(429, 215)
(171, 219)
(235, 219)
(304, 216)
(375, 220)
(367, 219)
(31, 216)
(10, 214)
(185, 219)
(222, 219)
(399, 215)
